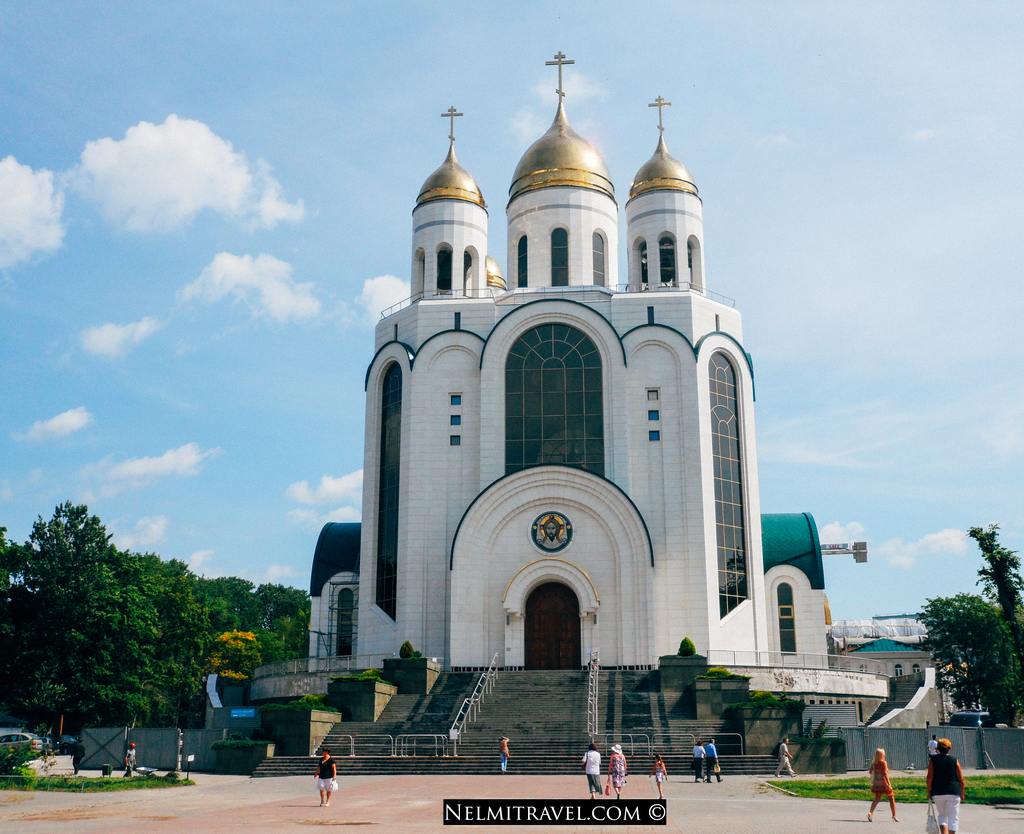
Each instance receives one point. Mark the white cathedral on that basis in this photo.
(564, 460)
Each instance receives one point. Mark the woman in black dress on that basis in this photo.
(326, 776)
(946, 787)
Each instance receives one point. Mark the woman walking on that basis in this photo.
(660, 774)
(946, 787)
(592, 767)
(617, 770)
(881, 787)
(326, 776)
(698, 760)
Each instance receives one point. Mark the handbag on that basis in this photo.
(334, 785)
(608, 788)
(718, 768)
(932, 823)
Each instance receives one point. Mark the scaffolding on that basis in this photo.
(339, 640)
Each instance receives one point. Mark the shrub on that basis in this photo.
(13, 760)
(768, 700)
(307, 703)
(365, 675)
(686, 648)
(720, 673)
(406, 650)
(237, 744)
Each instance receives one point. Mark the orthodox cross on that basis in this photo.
(560, 61)
(661, 104)
(451, 114)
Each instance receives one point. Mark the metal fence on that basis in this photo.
(155, 747)
(796, 660)
(908, 748)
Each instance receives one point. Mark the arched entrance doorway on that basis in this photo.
(552, 628)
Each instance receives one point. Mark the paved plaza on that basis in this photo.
(413, 804)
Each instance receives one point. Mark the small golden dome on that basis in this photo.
(451, 182)
(561, 157)
(494, 276)
(662, 172)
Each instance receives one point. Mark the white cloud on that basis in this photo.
(379, 293)
(275, 573)
(329, 490)
(527, 125)
(578, 87)
(149, 531)
(65, 423)
(924, 134)
(905, 554)
(113, 340)
(134, 473)
(313, 520)
(264, 283)
(159, 177)
(197, 563)
(836, 533)
(30, 212)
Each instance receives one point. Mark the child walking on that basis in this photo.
(660, 774)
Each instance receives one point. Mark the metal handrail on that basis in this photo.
(439, 740)
(655, 734)
(632, 741)
(684, 286)
(390, 738)
(794, 660)
(328, 664)
(351, 742)
(593, 675)
(470, 708)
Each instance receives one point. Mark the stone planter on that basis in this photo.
(412, 676)
(678, 673)
(298, 733)
(360, 700)
(818, 756)
(765, 727)
(241, 761)
(714, 696)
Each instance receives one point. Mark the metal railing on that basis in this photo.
(325, 665)
(593, 676)
(679, 286)
(337, 737)
(631, 739)
(470, 708)
(441, 295)
(795, 660)
(409, 741)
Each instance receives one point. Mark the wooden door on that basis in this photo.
(553, 628)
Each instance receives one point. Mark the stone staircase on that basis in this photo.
(901, 690)
(544, 715)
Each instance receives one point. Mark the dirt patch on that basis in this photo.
(62, 815)
(158, 817)
(9, 798)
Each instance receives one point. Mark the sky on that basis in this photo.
(204, 206)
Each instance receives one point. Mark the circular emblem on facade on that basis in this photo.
(551, 532)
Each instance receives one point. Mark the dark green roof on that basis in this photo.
(337, 549)
(884, 644)
(792, 539)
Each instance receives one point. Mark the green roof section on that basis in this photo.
(792, 539)
(884, 644)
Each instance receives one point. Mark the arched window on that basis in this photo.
(916, 668)
(729, 523)
(521, 271)
(644, 274)
(559, 258)
(444, 270)
(553, 400)
(898, 670)
(693, 264)
(787, 618)
(387, 491)
(346, 621)
(599, 268)
(667, 260)
(419, 268)
(467, 267)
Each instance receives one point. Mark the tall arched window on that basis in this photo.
(553, 400)
(644, 273)
(916, 668)
(467, 267)
(387, 490)
(898, 670)
(694, 265)
(667, 260)
(346, 621)
(444, 270)
(787, 618)
(599, 262)
(689, 262)
(419, 268)
(521, 271)
(559, 258)
(729, 523)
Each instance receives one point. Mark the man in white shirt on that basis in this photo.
(933, 746)
(698, 760)
(592, 767)
(785, 759)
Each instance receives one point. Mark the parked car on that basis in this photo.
(22, 739)
(971, 718)
(66, 744)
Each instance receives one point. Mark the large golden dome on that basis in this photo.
(662, 172)
(451, 182)
(561, 157)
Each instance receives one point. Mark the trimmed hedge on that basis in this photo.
(720, 673)
(307, 703)
(365, 675)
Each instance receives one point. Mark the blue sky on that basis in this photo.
(199, 209)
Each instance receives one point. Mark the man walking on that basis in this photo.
(503, 749)
(711, 762)
(785, 759)
(77, 754)
(698, 760)
(130, 760)
(933, 747)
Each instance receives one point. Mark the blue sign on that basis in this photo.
(243, 712)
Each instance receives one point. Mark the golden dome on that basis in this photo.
(561, 157)
(451, 182)
(494, 276)
(662, 172)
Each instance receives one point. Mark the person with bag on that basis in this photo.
(880, 784)
(660, 774)
(711, 762)
(616, 771)
(592, 768)
(326, 776)
(946, 790)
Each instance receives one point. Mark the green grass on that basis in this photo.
(981, 790)
(89, 785)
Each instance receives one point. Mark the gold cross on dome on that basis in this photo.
(451, 114)
(661, 104)
(560, 61)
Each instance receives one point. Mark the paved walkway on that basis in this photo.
(740, 805)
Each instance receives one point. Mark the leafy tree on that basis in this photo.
(973, 653)
(235, 654)
(1001, 580)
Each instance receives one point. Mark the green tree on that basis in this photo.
(973, 653)
(1001, 580)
